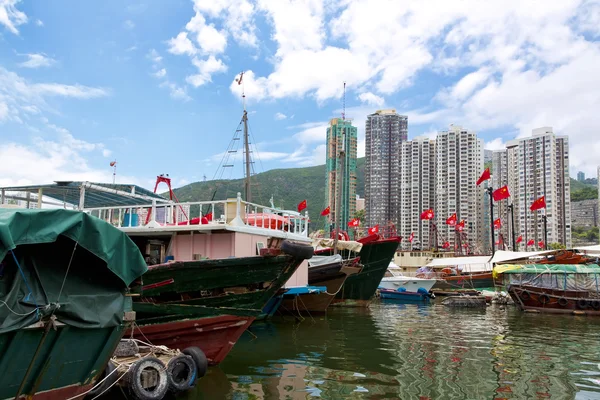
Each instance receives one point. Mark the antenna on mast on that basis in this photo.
(248, 194)
(113, 164)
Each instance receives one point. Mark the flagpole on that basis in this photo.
(490, 190)
(545, 219)
(512, 226)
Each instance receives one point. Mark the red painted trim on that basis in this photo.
(158, 284)
(60, 393)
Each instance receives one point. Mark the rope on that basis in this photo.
(26, 284)
(16, 313)
(66, 275)
(97, 384)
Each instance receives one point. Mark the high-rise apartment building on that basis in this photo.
(505, 173)
(417, 192)
(537, 166)
(335, 143)
(581, 176)
(459, 163)
(385, 130)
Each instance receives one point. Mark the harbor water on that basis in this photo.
(397, 351)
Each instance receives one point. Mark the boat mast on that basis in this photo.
(339, 177)
(247, 190)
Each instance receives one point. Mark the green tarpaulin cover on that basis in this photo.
(36, 249)
(547, 269)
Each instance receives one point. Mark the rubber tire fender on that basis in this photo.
(189, 366)
(563, 302)
(199, 358)
(134, 383)
(298, 250)
(544, 298)
(595, 304)
(108, 370)
(525, 295)
(583, 304)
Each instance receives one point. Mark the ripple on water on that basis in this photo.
(413, 352)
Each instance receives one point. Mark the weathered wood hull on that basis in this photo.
(210, 302)
(215, 336)
(375, 258)
(473, 281)
(529, 298)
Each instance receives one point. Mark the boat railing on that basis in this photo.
(232, 212)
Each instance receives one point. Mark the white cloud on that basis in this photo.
(154, 56)
(371, 99)
(128, 24)
(161, 73)
(254, 88)
(279, 116)
(37, 61)
(495, 144)
(39, 22)
(206, 69)
(176, 92)
(3, 111)
(210, 39)
(181, 44)
(10, 17)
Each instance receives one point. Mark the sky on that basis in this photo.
(153, 84)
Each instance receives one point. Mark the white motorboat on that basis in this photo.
(394, 280)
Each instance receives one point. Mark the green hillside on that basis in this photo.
(583, 191)
(287, 186)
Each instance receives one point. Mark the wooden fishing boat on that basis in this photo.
(552, 288)
(328, 271)
(210, 303)
(375, 256)
(64, 279)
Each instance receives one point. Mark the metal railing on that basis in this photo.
(233, 212)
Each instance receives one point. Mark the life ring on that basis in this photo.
(342, 235)
(134, 379)
(525, 295)
(182, 373)
(582, 303)
(199, 358)
(595, 304)
(544, 298)
(563, 302)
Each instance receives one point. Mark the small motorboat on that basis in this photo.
(394, 280)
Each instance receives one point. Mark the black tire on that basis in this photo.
(134, 380)
(563, 302)
(544, 298)
(199, 358)
(595, 304)
(102, 387)
(182, 373)
(582, 303)
(297, 250)
(525, 295)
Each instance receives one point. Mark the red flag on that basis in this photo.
(411, 237)
(302, 205)
(451, 220)
(239, 80)
(113, 163)
(326, 211)
(461, 225)
(501, 194)
(541, 243)
(446, 245)
(374, 229)
(354, 223)
(209, 216)
(484, 177)
(530, 242)
(427, 214)
(539, 203)
(519, 239)
(498, 223)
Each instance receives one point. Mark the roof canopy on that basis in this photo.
(471, 264)
(502, 256)
(96, 195)
(547, 269)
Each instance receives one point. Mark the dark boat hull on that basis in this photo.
(208, 303)
(375, 257)
(529, 298)
(474, 281)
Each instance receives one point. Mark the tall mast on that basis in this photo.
(339, 176)
(247, 190)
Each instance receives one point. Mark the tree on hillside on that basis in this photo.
(360, 214)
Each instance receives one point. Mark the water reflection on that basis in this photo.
(413, 352)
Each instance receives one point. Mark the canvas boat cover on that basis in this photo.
(552, 276)
(502, 256)
(65, 263)
(321, 243)
(465, 264)
(316, 261)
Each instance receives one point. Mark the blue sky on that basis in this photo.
(152, 83)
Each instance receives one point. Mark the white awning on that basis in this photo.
(467, 264)
(502, 256)
(589, 249)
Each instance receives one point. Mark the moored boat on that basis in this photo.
(64, 292)
(394, 280)
(459, 273)
(552, 288)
